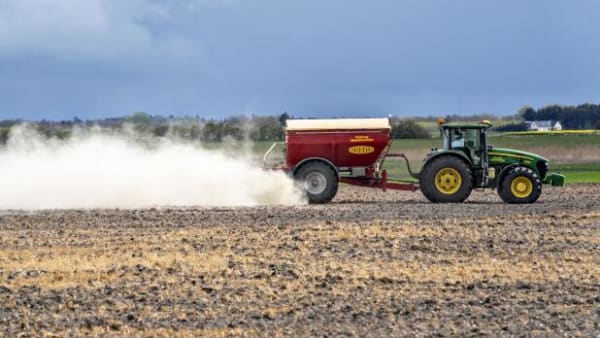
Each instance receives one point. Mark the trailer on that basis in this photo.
(321, 153)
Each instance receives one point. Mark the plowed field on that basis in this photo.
(367, 264)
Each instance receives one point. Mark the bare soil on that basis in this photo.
(367, 264)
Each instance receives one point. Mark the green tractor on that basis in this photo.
(467, 162)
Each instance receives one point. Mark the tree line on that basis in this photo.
(271, 128)
(254, 128)
(584, 116)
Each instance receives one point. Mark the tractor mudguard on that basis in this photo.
(503, 172)
(309, 159)
(554, 179)
(459, 154)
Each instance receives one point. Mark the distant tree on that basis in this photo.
(140, 118)
(527, 113)
(211, 132)
(9, 123)
(598, 125)
(283, 118)
(62, 133)
(512, 127)
(195, 131)
(161, 130)
(408, 129)
(141, 121)
(4, 131)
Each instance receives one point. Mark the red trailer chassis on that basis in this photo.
(374, 180)
(355, 149)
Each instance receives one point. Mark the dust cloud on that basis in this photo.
(101, 169)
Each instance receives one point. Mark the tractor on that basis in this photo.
(466, 161)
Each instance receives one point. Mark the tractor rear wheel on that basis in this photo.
(520, 185)
(318, 180)
(446, 179)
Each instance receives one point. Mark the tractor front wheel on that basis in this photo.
(446, 179)
(520, 185)
(318, 180)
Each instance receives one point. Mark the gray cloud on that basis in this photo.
(62, 58)
(94, 30)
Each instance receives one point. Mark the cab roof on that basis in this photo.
(467, 125)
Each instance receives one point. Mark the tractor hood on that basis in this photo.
(515, 154)
(500, 157)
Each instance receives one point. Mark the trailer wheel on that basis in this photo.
(446, 179)
(318, 180)
(520, 185)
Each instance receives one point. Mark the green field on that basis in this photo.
(575, 156)
(556, 132)
(585, 172)
(511, 141)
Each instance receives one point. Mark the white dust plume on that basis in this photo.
(115, 170)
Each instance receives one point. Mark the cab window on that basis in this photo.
(467, 140)
(457, 138)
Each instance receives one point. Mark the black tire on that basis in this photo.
(509, 190)
(319, 180)
(458, 192)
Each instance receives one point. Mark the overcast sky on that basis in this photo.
(101, 58)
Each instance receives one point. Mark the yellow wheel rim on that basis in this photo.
(521, 187)
(448, 181)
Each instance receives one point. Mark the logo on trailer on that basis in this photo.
(362, 138)
(361, 150)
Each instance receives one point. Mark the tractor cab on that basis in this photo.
(468, 138)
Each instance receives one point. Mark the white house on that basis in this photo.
(543, 125)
